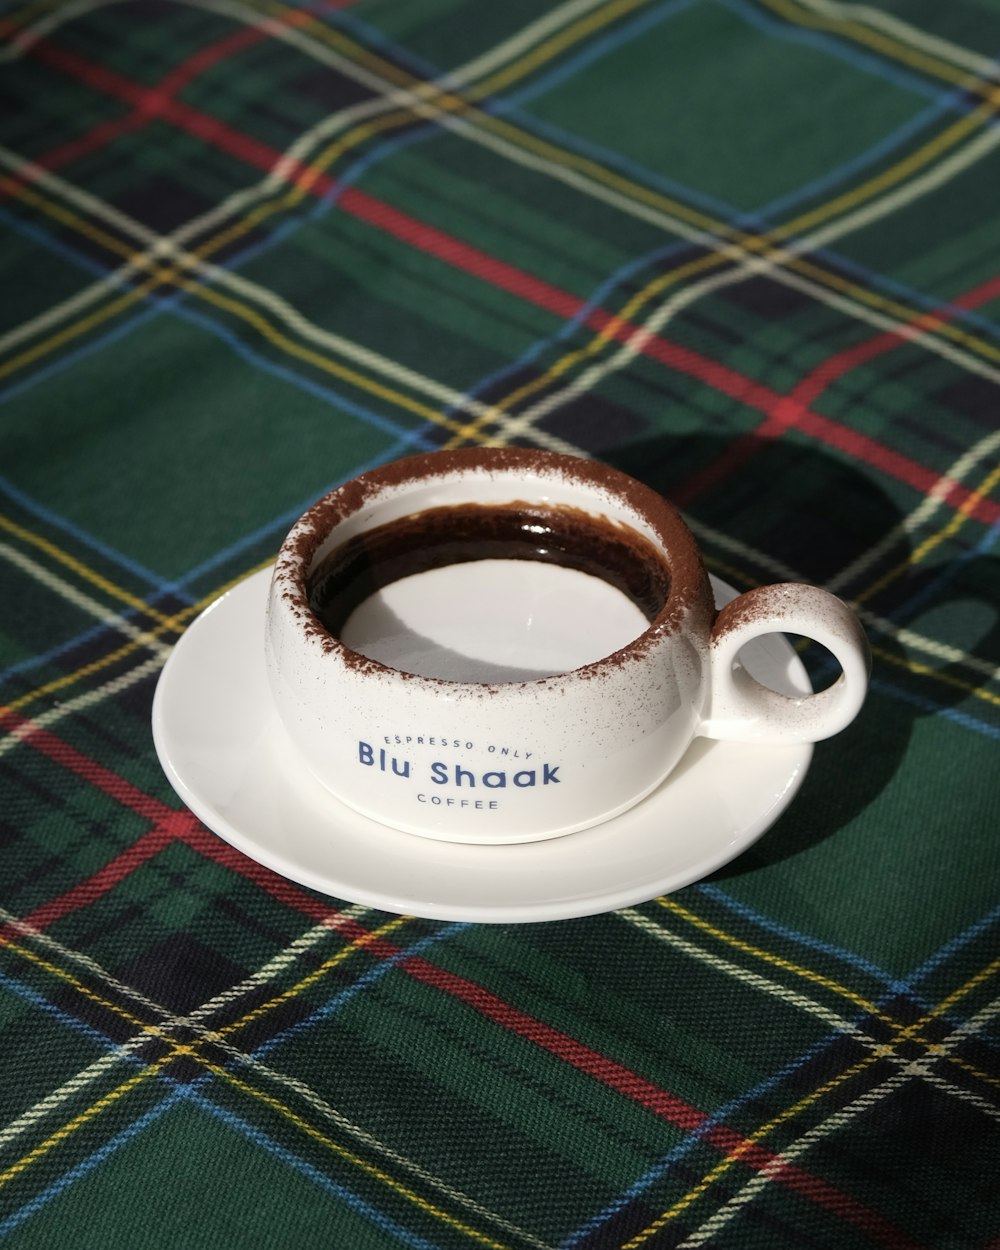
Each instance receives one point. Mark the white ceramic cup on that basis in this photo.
(487, 759)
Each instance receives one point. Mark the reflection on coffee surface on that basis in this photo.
(437, 537)
(490, 593)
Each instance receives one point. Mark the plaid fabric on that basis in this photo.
(744, 249)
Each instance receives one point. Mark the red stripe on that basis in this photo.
(656, 1100)
(170, 824)
(152, 102)
(75, 761)
(815, 383)
(782, 411)
(112, 874)
(617, 1077)
(794, 411)
(182, 825)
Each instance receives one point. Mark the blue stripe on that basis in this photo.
(830, 44)
(953, 946)
(347, 1196)
(190, 1093)
(89, 1164)
(343, 997)
(891, 984)
(29, 504)
(942, 102)
(894, 987)
(910, 608)
(16, 986)
(172, 303)
(663, 1165)
(279, 524)
(964, 719)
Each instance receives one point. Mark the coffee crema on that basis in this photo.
(460, 534)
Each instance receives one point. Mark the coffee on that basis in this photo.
(436, 537)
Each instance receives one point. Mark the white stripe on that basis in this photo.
(81, 1080)
(660, 933)
(58, 1097)
(962, 467)
(90, 698)
(747, 263)
(973, 151)
(772, 1170)
(163, 248)
(26, 38)
(966, 1095)
(66, 590)
(306, 941)
(934, 45)
(914, 1069)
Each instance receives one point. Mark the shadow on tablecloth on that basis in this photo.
(758, 504)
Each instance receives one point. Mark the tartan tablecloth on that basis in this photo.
(746, 250)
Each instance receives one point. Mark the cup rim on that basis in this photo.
(689, 585)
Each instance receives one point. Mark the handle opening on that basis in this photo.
(741, 708)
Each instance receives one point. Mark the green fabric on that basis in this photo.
(744, 251)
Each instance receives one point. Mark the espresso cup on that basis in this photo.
(504, 645)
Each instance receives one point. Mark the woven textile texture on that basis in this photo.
(745, 250)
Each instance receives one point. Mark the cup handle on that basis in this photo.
(741, 709)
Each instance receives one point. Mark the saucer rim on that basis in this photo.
(671, 878)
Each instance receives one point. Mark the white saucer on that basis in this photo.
(227, 756)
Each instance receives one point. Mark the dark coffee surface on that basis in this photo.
(437, 537)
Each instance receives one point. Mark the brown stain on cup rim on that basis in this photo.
(689, 586)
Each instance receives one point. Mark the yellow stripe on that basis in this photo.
(169, 624)
(318, 361)
(973, 982)
(358, 943)
(61, 974)
(926, 670)
(766, 247)
(188, 1049)
(972, 1070)
(737, 1155)
(370, 1169)
(303, 183)
(669, 904)
(880, 42)
(447, 101)
(280, 340)
(82, 570)
(235, 307)
(954, 524)
(84, 1117)
(904, 1033)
